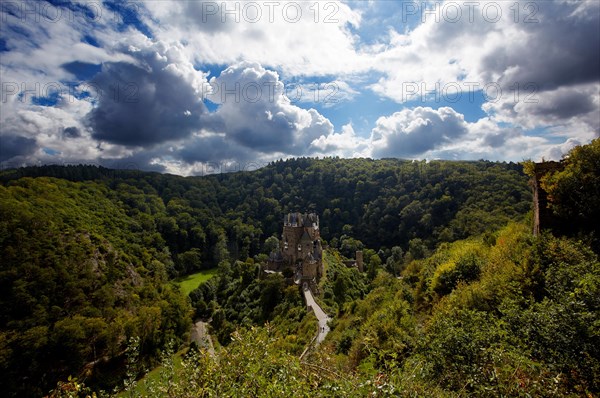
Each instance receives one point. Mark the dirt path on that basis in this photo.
(319, 313)
(201, 337)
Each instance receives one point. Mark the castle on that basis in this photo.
(299, 249)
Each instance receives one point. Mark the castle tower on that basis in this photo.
(300, 247)
(359, 260)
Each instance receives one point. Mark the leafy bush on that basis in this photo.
(464, 269)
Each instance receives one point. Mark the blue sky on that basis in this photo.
(182, 86)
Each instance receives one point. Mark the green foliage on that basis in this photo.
(271, 243)
(379, 328)
(574, 192)
(255, 365)
(381, 203)
(237, 297)
(512, 316)
(417, 249)
(271, 293)
(189, 262)
(191, 282)
(89, 261)
(373, 266)
(395, 264)
(387, 336)
(464, 267)
(349, 246)
(341, 284)
(470, 351)
(561, 325)
(528, 167)
(77, 280)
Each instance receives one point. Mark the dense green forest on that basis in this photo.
(458, 297)
(376, 203)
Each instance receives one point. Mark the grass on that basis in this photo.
(186, 285)
(190, 282)
(154, 376)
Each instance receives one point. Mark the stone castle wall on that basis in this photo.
(300, 247)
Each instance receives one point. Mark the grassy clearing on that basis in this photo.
(186, 284)
(190, 282)
(153, 377)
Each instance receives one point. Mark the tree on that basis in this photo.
(189, 261)
(465, 269)
(417, 248)
(271, 243)
(574, 192)
(394, 262)
(374, 265)
(349, 246)
(271, 293)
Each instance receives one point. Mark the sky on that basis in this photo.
(198, 87)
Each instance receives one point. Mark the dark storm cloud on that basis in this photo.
(12, 146)
(82, 70)
(71, 132)
(276, 135)
(497, 140)
(138, 161)
(561, 48)
(213, 148)
(564, 105)
(144, 104)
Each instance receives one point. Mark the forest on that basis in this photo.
(458, 297)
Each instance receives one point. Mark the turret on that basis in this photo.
(300, 246)
(359, 260)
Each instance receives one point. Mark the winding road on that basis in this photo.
(319, 313)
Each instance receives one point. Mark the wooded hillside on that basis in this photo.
(88, 253)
